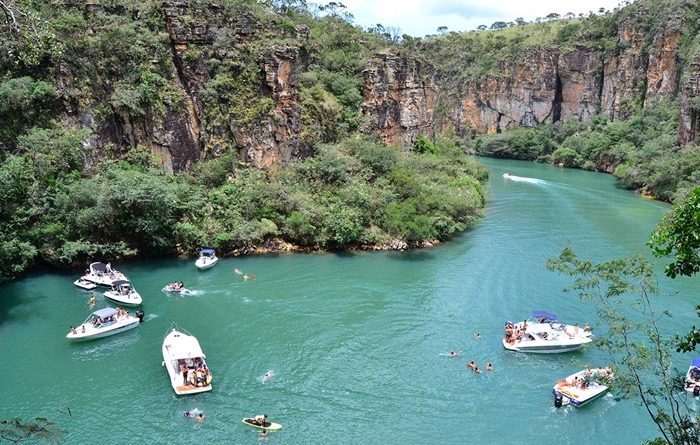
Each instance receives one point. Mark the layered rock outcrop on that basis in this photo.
(399, 97)
(690, 104)
(545, 84)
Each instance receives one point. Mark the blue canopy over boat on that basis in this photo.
(207, 252)
(119, 283)
(696, 362)
(98, 267)
(105, 313)
(542, 315)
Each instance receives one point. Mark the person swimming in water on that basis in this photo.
(263, 433)
(267, 376)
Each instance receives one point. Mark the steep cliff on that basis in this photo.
(486, 82)
(399, 97)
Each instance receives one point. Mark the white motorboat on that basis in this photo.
(184, 360)
(102, 274)
(692, 377)
(176, 289)
(582, 387)
(123, 293)
(207, 259)
(545, 335)
(105, 322)
(84, 284)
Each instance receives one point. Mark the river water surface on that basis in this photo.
(353, 339)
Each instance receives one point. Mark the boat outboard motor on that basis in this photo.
(140, 315)
(696, 390)
(558, 400)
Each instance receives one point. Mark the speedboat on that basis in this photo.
(184, 360)
(124, 293)
(105, 322)
(84, 284)
(207, 258)
(172, 288)
(582, 387)
(102, 274)
(692, 377)
(545, 335)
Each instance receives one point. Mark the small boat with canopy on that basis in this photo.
(544, 334)
(105, 322)
(207, 259)
(102, 274)
(124, 293)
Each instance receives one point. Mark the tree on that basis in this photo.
(442, 30)
(481, 27)
(678, 235)
(520, 21)
(640, 353)
(569, 15)
(499, 25)
(552, 16)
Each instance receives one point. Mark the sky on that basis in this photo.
(422, 17)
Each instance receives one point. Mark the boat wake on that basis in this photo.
(151, 317)
(195, 292)
(525, 179)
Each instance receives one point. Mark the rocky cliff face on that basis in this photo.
(542, 85)
(690, 104)
(399, 98)
(270, 136)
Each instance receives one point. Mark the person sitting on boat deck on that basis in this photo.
(83, 329)
(72, 330)
(524, 325)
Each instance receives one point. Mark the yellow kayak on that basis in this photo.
(268, 425)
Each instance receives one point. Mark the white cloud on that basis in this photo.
(422, 17)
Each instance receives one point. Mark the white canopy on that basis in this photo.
(181, 346)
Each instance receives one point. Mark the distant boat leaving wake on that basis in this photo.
(523, 179)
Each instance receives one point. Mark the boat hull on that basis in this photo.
(93, 334)
(84, 284)
(206, 263)
(574, 394)
(124, 300)
(543, 349)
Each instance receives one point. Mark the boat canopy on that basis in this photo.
(207, 252)
(542, 315)
(99, 267)
(105, 313)
(119, 283)
(696, 362)
(184, 347)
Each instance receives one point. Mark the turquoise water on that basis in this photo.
(353, 339)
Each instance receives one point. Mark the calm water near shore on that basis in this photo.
(353, 339)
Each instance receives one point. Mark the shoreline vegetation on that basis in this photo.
(356, 194)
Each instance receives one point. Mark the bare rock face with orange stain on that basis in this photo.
(399, 97)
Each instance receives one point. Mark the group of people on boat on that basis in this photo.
(515, 332)
(589, 377)
(194, 372)
(176, 285)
